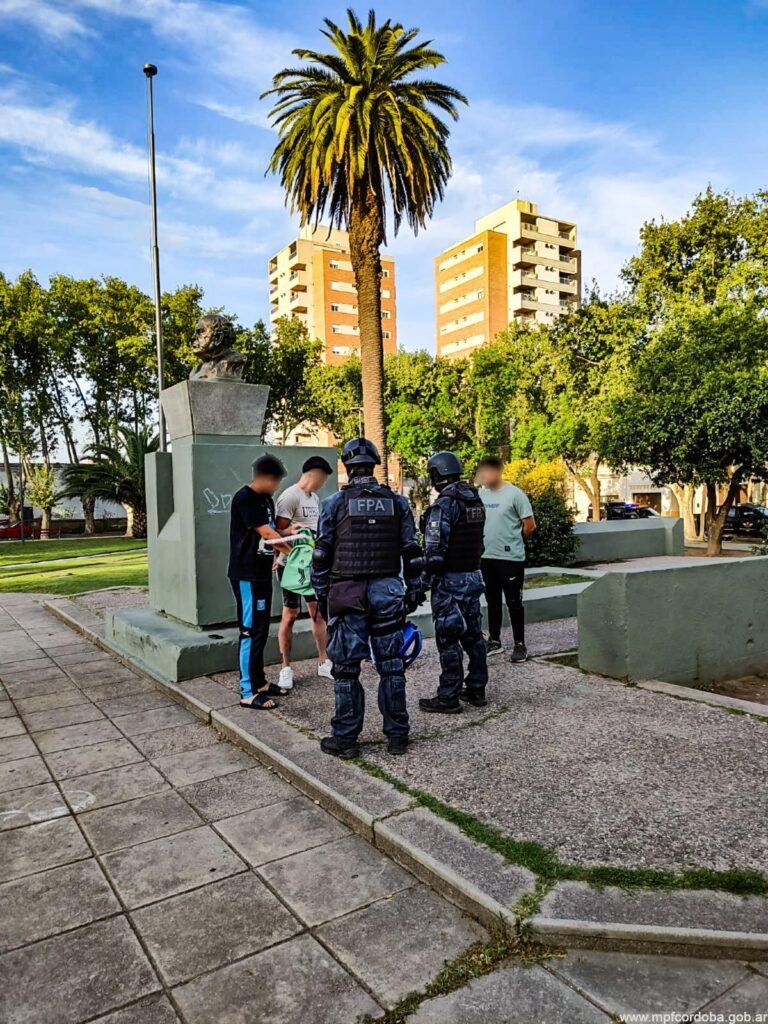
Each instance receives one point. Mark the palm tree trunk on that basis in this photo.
(366, 233)
(89, 521)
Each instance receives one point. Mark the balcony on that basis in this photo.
(297, 302)
(272, 269)
(297, 282)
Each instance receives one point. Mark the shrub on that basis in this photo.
(554, 542)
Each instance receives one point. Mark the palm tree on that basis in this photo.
(357, 132)
(115, 474)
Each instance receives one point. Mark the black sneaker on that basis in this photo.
(519, 653)
(493, 647)
(439, 706)
(330, 745)
(397, 745)
(474, 697)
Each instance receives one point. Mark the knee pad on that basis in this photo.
(386, 627)
(392, 667)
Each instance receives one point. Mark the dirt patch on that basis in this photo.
(754, 688)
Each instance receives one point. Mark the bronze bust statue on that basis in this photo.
(214, 338)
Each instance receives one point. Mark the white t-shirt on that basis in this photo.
(298, 508)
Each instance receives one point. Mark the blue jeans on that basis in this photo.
(458, 630)
(351, 638)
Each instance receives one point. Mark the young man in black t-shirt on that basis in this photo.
(252, 521)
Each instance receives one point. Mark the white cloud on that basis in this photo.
(46, 18)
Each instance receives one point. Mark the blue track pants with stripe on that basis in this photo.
(254, 608)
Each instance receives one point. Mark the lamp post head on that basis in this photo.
(150, 70)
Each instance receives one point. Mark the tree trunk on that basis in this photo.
(10, 486)
(45, 522)
(89, 507)
(136, 522)
(591, 489)
(684, 495)
(717, 518)
(366, 233)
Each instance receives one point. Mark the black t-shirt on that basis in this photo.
(248, 511)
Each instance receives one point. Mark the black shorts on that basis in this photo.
(290, 599)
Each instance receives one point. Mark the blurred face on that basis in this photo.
(266, 484)
(317, 479)
(489, 476)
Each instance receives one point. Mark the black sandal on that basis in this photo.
(259, 702)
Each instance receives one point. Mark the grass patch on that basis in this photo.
(479, 959)
(549, 869)
(67, 576)
(15, 553)
(555, 579)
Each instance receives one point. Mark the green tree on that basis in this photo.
(285, 363)
(43, 492)
(116, 474)
(335, 389)
(692, 406)
(359, 131)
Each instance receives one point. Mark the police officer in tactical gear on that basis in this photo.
(366, 533)
(453, 546)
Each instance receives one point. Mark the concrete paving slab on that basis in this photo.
(228, 795)
(128, 782)
(268, 728)
(13, 748)
(111, 673)
(11, 726)
(74, 976)
(206, 763)
(335, 879)
(37, 687)
(7, 709)
(623, 983)
(305, 984)
(69, 736)
(511, 995)
(27, 674)
(21, 807)
(155, 1009)
(375, 796)
(210, 927)
(99, 692)
(211, 693)
(29, 771)
(743, 1002)
(24, 851)
(137, 821)
(279, 830)
(49, 701)
(176, 740)
(398, 945)
(55, 718)
(165, 867)
(150, 721)
(87, 655)
(66, 764)
(28, 659)
(688, 908)
(761, 968)
(146, 701)
(54, 901)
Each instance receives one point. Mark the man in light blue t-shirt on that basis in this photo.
(509, 522)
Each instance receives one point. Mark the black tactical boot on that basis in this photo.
(440, 706)
(331, 745)
(397, 745)
(474, 697)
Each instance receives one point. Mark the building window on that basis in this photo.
(333, 264)
(386, 315)
(334, 307)
(385, 272)
(386, 335)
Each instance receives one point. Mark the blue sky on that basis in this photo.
(606, 113)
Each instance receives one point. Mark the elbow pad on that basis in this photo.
(413, 562)
(322, 557)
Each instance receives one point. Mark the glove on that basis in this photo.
(414, 596)
(322, 607)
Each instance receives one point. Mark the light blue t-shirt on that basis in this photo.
(505, 510)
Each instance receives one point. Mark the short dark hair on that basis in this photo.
(269, 465)
(492, 461)
(317, 462)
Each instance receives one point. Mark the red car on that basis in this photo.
(12, 531)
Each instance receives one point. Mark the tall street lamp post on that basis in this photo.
(150, 71)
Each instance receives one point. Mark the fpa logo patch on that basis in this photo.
(261, 605)
(372, 507)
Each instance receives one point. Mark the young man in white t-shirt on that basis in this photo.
(299, 505)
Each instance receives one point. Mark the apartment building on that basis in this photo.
(519, 264)
(312, 279)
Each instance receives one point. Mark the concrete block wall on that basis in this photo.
(634, 538)
(692, 625)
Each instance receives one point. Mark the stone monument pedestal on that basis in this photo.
(215, 429)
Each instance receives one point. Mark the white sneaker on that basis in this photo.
(325, 669)
(285, 682)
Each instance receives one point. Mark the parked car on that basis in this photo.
(626, 510)
(12, 531)
(746, 520)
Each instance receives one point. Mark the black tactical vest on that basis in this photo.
(465, 546)
(368, 535)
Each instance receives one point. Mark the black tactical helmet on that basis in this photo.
(444, 466)
(359, 451)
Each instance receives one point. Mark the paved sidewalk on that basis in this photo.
(151, 873)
